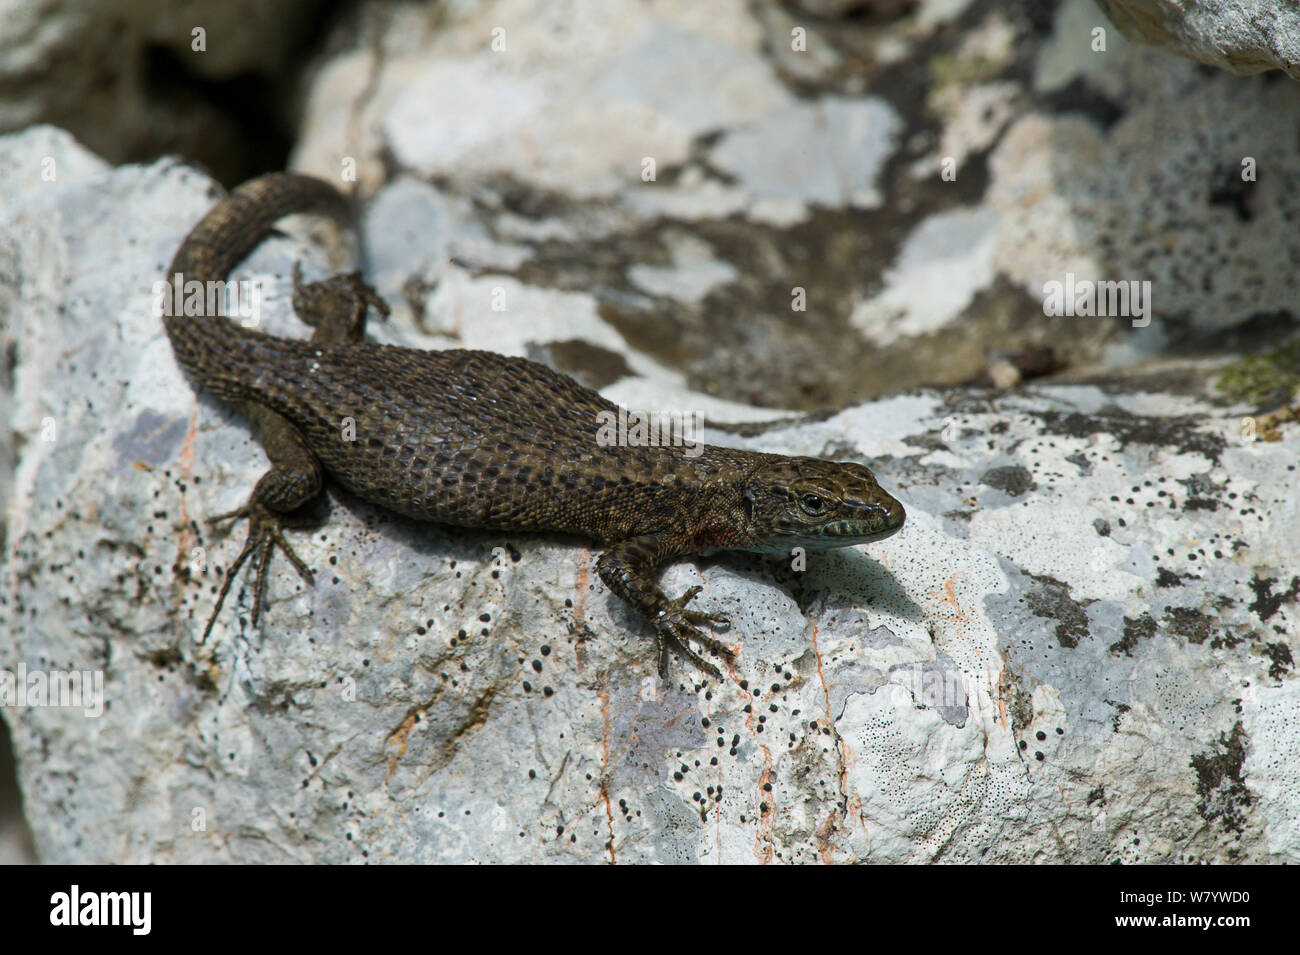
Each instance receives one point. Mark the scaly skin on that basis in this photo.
(482, 440)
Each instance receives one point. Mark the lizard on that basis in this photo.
(481, 440)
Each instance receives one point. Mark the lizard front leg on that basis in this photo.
(294, 479)
(629, 568)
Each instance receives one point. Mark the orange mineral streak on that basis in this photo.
(398, 741)
(398, 738)
(1002, 704)
(825, 847)
(963, 620)
(950, 597)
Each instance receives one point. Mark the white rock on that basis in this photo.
(913, 677)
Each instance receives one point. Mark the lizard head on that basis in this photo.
(816, 504)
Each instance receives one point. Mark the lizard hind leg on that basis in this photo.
(294, 479)
(336, 306)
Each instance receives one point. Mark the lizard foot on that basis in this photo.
(264, 535)
(336, 306)
(676, 626)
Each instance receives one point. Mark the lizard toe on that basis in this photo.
(264, 537)
(678, 633)
(713, 643)
(686, 650)
(685, 598)
(719, 620)
(234, 515)
(684, 616)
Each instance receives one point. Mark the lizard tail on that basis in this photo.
(224, 237)
(234, 226)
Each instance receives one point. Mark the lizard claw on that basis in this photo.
(230, 515)
(264, 535)
(714, 618)
(719, 620)
(676, 625)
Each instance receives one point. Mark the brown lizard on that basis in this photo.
(482, 440)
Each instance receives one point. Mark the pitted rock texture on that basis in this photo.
(1079, 649)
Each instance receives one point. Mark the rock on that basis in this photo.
(1242, 36)
(1079, 649)
(831, 9)
(919, 221)
(139, 77)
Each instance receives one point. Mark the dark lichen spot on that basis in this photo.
(1080, 461)
(1120, 710)
(1226, 640)
(1219, 783)
(1014, 480)
(1051, 599)
(1183, 433)
(1280, 654)
(1167, 578)
(1135, 629)
(1266, 602)
(1189, 623)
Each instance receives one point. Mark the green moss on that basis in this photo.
(1261, 378)
(963, 71)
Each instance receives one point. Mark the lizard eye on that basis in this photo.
(812, 503)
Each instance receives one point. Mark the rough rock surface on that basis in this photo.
(1079, 649)
(132, 77)
(1244, 36)
(823, 168)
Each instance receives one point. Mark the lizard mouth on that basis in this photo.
(880, 519)
(886, 521)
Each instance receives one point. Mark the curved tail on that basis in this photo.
(225, 236)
